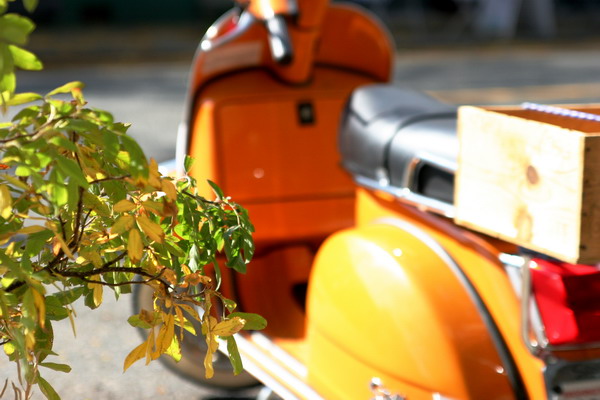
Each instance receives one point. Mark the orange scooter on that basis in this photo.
(369, 287)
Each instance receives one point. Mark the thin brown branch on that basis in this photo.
(110, 178)
(143, 282)
(200, 198)
(14, 286)
(12, 139)
(4, 388)
(76, 223)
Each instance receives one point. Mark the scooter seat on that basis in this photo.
(401, 141)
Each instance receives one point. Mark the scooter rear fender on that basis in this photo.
(385, 302)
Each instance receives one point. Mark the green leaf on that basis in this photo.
(234, 356)
(216, 189)
(15, 29)
(68, 296)
(25, 59)
(188, 163)
(8, 82)
(44, 339)
(89, 300)
(61, 141)
(55, 310)
(22, 98)
(30, 5)
(82, 126)
(57, 367)
(36, 241)
(194, 256)
(3, 6)
(59, 194)
(137, 159)
(47, 389)
(111, 144)
(66, 88)
(94, 203)
(72, 170)
(254, 322)
(137, 322)
(174, 249)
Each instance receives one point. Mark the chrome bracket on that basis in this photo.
(381, 393)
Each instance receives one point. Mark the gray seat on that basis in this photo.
(400, 140)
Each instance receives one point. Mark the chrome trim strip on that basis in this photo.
(408, 196)
(509, 364)
(256, 363)
(294, 365)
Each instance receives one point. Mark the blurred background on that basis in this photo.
(134, 57)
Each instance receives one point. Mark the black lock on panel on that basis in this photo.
(306, 113)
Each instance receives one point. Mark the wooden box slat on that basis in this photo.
(531, 178)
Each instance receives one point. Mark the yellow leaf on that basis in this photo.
(104, 238)
(40, 305)
(154, 175)
(136, 354)
(180, 320)
(170, 276)
(169, 188)
(9, 348)
(151, 345)
(97, 290)
(229, 327)
(152, 229)
(197, 278)
(92, 256)
(30, 340)
(123, 206)
(153, 206)
(31, 229)
(190, 310)
(211, 343)
(9, 252)
(209, 372)
(5, 202)
(122, 224)
(64, 247)
(165, 335)
(174, 350)
(134, 246)
(55, 246)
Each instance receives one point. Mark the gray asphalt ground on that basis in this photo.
(141, 75)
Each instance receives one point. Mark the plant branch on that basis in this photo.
(110, 178)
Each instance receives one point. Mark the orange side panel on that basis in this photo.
(248, 138)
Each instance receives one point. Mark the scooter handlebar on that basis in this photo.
(280, 42)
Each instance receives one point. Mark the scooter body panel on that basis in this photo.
(479, 260)
(384, 302)
(267, 135)
(265, 142)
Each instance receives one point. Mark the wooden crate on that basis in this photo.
(531, 178)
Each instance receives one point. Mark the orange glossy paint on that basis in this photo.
(387, 300)
(478, 258)
(247, 136)
(381, 302)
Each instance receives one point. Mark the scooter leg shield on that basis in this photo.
(384, 304)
